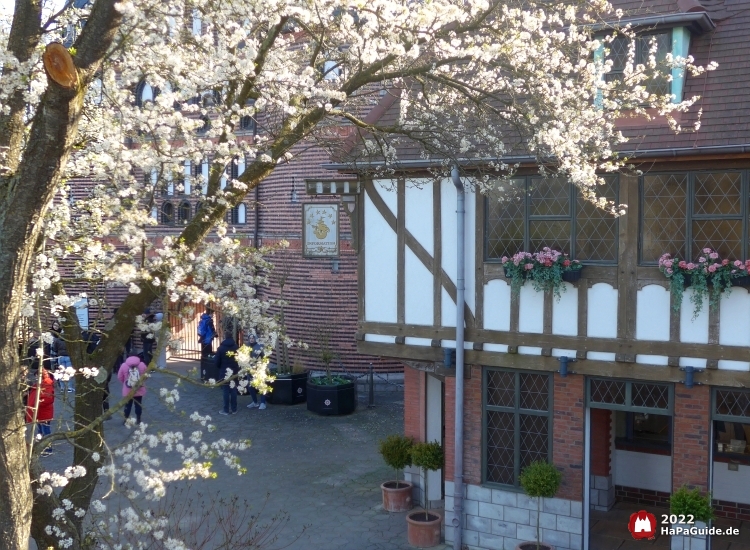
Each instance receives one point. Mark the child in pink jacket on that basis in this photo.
(130, 374)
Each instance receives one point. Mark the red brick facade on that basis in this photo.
(567, 434)
(472, 426)
(691, 441)
(414, 404)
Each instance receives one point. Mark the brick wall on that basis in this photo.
(732, 510)
(414, 403)
(567, 434)
(691, 443)
(472, 426)
(641, 496)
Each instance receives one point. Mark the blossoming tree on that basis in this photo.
(148, 86)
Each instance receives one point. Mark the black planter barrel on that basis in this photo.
(208, 368)
(289, 389)
(332, 400)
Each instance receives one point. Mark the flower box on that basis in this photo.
(741, 281)
(571, 275)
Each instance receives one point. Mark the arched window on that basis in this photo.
(167, 213)
(184, 212)
(239, 214)
(198, 208)
(144, 93)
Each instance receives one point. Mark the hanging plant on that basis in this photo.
(546, 270)
(710, 270)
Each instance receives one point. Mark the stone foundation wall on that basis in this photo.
(602, 493)
(496, 519)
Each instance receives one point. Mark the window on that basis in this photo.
(731, 423)
(536, 212)
(239, 214)
(517, 423)
(618, 53)
(685, 212)
(144, 93)
(643, 432)
(198, 208)
(183, 212)
(167, 213)
(247, 124)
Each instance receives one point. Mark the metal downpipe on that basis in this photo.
(458, 462)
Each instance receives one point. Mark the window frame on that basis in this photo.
(686, 252)
(163, 215)
(517, 412)
(639, 51)
(571, 217)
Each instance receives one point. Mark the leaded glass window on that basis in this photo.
(534, 212)
(658, 45)
(518, 423)
(685, 212)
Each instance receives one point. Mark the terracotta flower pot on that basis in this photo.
(397, 496)
(532, 546)
(423, 532)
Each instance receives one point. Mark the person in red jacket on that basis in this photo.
(46, 406)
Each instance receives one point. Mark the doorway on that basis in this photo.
(628, 458)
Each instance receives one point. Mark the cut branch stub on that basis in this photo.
(59, 65)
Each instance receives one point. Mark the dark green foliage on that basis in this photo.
(428, 456)
(396, 452)
(540, 479)
(689, 502)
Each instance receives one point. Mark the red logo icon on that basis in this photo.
(642, 525)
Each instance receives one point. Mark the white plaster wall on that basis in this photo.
(387, 191)
(497, 305)
(448, 206)
(380, 338)
(447, 309)
(418, 306)
(557, 352)
(530, 310)
(434, 432)
(448, 228)
(452, 344)
(502, 348)
(731, 486)
(418, 208)
(602, 311)
(652, 320)
(642, 470)
(734, 325)
(529, 350)
(565, 312)
(380, 266)
(693, 330)
(414, 341)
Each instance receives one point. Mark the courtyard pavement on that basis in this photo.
(325, 472)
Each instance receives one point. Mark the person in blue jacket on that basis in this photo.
(226, 368)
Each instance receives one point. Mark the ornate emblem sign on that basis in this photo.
(320, 230)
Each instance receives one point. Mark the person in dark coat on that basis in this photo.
(257, 352)
(226, 368)
(148, 339)
(206, 333)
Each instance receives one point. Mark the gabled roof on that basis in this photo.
(719, 33)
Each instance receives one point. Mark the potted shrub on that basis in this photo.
(686, 502)
(423, 528)
(396, 452)
(330, 394)
(539, 480)
(290, 384)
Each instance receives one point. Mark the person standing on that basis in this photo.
(148, 338)
(161, 360)
(45, 408)
(227, 369)
(130, 374)
(206, 333)
(60, 349)
(257, 353)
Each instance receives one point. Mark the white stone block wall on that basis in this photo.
(496, 519)
(602, 493)
(414, 475)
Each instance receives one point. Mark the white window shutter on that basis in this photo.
(204, 168)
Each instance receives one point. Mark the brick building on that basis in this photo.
(625, 425)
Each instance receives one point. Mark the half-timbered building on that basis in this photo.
(627, 422)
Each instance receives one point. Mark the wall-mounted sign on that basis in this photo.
(320, 230)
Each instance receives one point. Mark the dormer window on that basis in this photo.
(659, 44)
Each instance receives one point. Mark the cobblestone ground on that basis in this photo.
(325, 472)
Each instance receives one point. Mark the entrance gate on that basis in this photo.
(627, 455)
